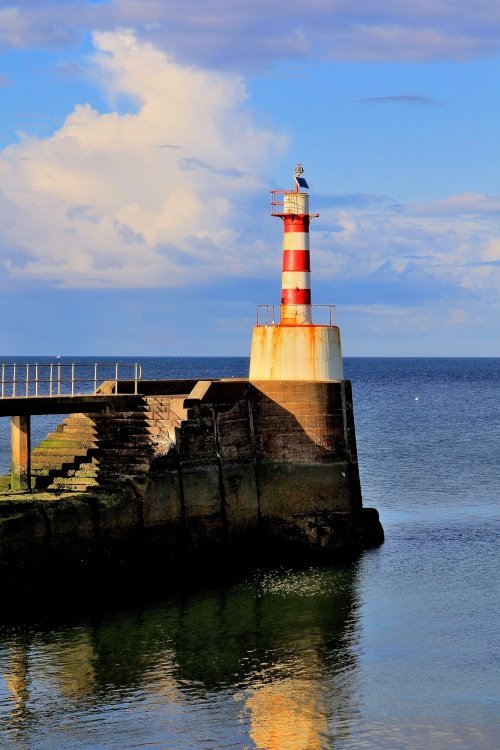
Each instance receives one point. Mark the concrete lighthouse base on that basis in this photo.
(300, 353)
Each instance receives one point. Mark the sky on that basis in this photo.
(139, 140)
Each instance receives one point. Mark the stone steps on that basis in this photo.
(63, 449)
(78, 421)
(83, 451)
(77, 484)
(69, 437)
(87, 451)
(91, 473)
(56, 462)
(74, 430)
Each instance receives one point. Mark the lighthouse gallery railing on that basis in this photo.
(270, 315)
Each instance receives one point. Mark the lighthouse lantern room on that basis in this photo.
(286, 343)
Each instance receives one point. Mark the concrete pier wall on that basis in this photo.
(246, 467)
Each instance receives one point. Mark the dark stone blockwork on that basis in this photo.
(226, 470)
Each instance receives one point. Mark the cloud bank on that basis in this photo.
(157, 196)
(169, 189)
(249, 36)
(411, 253)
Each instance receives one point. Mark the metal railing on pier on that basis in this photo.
(270, 315)
(65, 378)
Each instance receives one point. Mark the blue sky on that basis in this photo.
(139, 141)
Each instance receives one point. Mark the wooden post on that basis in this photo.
(20, 434)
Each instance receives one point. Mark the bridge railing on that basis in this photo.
(64, 378)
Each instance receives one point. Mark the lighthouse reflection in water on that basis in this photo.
(268, 663)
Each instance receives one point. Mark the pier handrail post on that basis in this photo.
(20, 438)
(95, 378)
(51, 372)
(58, 379)
(14, 367)
(36, 378)
(116, 377)
(3, 380)
(72, 378)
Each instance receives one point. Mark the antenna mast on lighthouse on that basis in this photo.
(295, 348)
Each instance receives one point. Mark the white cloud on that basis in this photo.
(439, 328)
(467, 204)
(491, 252)
(107, 200)
(222, 33)
(450, 243)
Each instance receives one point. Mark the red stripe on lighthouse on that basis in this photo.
(294, 223)
(296, 260)
(295, 296)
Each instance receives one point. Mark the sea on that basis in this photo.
(396, 650)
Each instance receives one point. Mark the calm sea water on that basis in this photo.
(398, 650)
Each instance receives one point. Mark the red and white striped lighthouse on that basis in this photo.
(295, 348)
(296, 273)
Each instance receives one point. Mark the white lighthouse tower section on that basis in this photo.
(295, 348)
(311, 353)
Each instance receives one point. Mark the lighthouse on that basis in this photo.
(286, 343)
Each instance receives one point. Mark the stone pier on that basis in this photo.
(198, 468)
